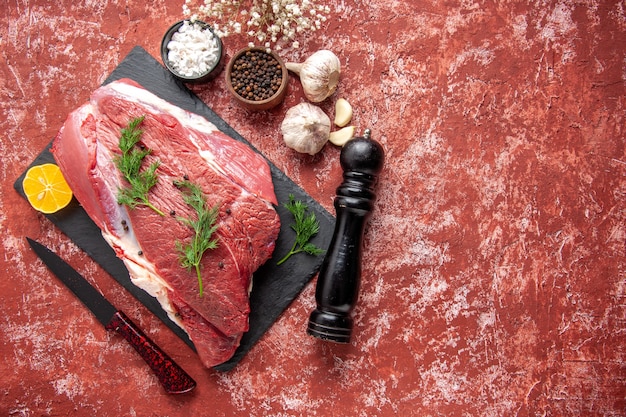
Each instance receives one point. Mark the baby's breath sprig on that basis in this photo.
(271, 23)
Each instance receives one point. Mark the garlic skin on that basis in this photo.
(319, 74)
(306, 128)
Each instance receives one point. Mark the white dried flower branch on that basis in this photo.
(271, 23)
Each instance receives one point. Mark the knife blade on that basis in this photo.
(171, 376)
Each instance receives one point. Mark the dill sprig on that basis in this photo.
(306, 226)
(203, 225)
(129, 164)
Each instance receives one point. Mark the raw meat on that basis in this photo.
(188, 146)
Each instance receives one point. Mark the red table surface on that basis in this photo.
(493, 265)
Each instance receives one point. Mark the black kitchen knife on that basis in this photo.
(173, 378)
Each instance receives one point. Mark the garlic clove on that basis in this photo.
(305, 128)
(319, 74)
(343, 112)
(342, 136)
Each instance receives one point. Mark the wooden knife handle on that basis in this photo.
(173, 378)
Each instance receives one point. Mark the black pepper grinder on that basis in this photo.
(340, 274)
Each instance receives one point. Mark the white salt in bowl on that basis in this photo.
(192, 51)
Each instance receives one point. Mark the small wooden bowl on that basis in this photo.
(267, 103)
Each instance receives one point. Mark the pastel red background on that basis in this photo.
(494, 262)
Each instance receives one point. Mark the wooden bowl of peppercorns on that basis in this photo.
(257, 78)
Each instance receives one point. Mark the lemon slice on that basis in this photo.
(46, 188)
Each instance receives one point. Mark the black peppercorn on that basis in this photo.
(256, 75)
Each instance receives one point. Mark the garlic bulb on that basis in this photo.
(319, 74)
(306, 128)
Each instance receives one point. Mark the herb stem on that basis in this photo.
(292, 251)
(199, 275)
(151, 206)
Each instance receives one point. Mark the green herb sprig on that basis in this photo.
(305, 226)
(203, 225)
(129, 163)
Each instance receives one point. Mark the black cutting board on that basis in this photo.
(274, 287)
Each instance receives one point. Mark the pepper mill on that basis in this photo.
(339, 278)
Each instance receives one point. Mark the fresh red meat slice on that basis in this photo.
(229, 173)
